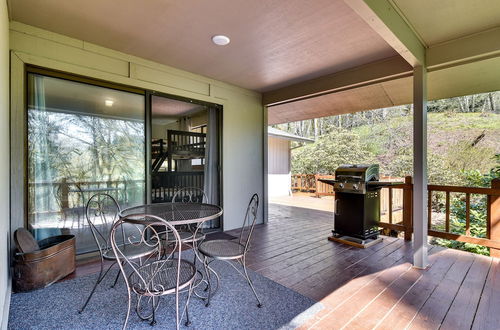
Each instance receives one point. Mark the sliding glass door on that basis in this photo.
(185, 149)
(82, 139)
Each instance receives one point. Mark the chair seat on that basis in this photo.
(222, 249)
(160, 277)
(130, 251)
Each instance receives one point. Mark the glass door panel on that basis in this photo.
(184, 149)
(82, 139)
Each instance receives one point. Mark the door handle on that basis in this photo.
(336, 207)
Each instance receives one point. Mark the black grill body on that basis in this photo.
(357, 215)
(357, 200)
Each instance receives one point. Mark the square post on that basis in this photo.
(420, 167)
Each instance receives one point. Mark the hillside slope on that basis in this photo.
(457, 142)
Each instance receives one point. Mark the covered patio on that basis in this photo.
(349, 287)
(181, 95)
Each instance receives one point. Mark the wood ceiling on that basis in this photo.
(273, 43)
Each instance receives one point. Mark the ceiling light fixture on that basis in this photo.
(220, 40)
(109, 103)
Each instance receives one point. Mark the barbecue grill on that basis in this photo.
(357, 200)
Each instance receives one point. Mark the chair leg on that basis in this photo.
(188, 322)
(153, 307)
(99, 279)
(209, 289)
(177, 308)
(128, 306)
(250, 282)
(117, 276)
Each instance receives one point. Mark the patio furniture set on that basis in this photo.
(148, 242)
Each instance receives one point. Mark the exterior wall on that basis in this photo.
(243, 130)
(4, 166)
(279, 184)
(278, 166)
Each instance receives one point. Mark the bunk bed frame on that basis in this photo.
(179, 146)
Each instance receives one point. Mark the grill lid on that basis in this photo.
(357, 172)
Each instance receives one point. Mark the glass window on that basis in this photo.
(82, 139)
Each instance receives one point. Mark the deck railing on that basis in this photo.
(51, 197)
(310, 183)
(444, 230)
(396, 208)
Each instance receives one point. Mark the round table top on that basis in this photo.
(176, 213)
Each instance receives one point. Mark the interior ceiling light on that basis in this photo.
(220, 40)
(109, 103)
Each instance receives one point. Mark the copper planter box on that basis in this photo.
(54, 260)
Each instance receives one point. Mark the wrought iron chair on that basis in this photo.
(161, 273)
(228, 250)
(190, 234)
(102, 211)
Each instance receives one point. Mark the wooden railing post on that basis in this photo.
(316, 182)
(64, 193)
(494, 217)
(408, 208)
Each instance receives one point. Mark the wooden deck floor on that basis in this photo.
(375, 287)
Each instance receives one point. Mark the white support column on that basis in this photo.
(420, 167)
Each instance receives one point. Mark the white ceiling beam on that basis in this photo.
(388, 23)
(471, 48)
(375, 72)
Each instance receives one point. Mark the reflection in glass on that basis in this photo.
(82, 139)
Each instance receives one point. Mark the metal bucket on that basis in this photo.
(54, 260)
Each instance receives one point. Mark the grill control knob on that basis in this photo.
(355, 186)
(341, 185)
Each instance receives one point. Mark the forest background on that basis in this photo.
(463, 149)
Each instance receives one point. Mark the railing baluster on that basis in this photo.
(467, 214)
(390, 205)
(488, 216)
(429, 209)
(447, 224)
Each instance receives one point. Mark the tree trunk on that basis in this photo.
(492, 102)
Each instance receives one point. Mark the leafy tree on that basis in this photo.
(330, 151)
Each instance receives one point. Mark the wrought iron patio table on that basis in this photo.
(181, 214)
(177, 213)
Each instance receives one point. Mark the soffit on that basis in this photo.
(443, 20)
(472, 78)
(273, 43)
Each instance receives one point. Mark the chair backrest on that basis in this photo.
(146, 233)
(190, 195)
(102, 211)
(249, 221)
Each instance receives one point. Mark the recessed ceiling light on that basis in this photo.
(220, 40)
(109, 103)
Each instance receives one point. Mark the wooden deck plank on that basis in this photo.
(462, 311)
(338, 273)
(432, 313)
(367, 286)
(344, 312)
(347, 282)
(407, 307)
(326, 272)
(488, 313)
